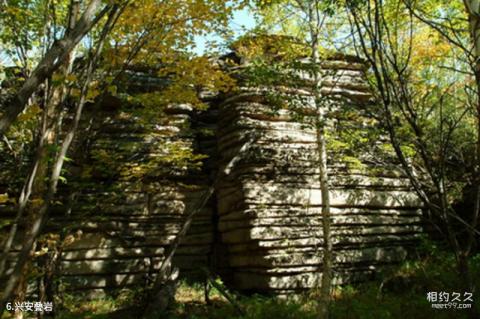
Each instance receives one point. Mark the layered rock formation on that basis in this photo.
(270, 206)
(127, 198)
(262, 229)
(136, 204)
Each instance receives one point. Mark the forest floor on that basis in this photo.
(360, 302)
(399, 293)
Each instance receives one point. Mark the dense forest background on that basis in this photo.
(63, 61)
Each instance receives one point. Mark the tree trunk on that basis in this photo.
(165, 272)
(327, 269)
(52, 60)
(473, 11)
(40, 215)
(320, 123)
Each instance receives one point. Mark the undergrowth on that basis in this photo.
(399, 293)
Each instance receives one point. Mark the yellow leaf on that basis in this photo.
(4, 198)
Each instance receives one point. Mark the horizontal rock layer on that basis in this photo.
(269, 206)
(262, 229)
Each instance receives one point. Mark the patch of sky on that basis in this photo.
(243, 21)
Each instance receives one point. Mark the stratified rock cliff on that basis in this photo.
(262, 229)
(270, 206)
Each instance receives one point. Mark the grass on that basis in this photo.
(397, 294)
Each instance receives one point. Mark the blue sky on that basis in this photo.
(242, 20)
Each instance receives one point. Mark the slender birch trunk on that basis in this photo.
(41, 214)
(52, 60)
(315, 24)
